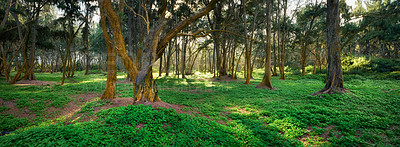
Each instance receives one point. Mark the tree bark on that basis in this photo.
(71, 38)
(282, 58)
(183, 57)
(248, 52)
(145, 87)
(304, 48)
(169, 55)
(86, 39)
(160, 67)
(3, 22)
(118, 39)
(109, 91)
(335, 75)
(266, 82)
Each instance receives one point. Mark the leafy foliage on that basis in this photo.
(246, 116)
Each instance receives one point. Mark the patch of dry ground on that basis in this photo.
(325, 135)
(51, 113)
(18, 112)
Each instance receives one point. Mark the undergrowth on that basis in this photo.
(246, 116)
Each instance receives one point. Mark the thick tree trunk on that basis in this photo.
(266, 82)
(335, 75)
(109, 91)
(145, 88)
(106, 7)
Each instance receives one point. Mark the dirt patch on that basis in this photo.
(34, 83)
(140, 126)
(16, 111)
(304, 139)
(392, 128)
(75, 105)
(166, 125)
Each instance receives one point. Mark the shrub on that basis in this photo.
(366, 65)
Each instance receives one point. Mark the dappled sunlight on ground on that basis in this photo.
(288, 114)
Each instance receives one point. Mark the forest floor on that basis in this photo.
(200, 111)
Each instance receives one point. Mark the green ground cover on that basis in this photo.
(228, 113)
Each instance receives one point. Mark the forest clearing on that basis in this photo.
(199, 73)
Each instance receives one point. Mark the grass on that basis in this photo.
(246, 116)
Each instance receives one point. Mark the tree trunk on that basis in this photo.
(233, 61)
(266, 82)
(274, 73)
(177, 59)
(335, 75)
(183, 58)
(237, 64)
(169, 55)
(248, 51)
(109, 91)
(71, 38)
(3, 22)
(160, 67)
(29, 75)
(145, 87)
(86, 40)
(282, 58)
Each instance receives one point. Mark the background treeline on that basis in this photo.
(47, 36)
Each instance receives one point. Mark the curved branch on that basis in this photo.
(144, 19)
(164, 41)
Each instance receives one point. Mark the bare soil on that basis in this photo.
(68, 111)
(16, 111)
(324, 135)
